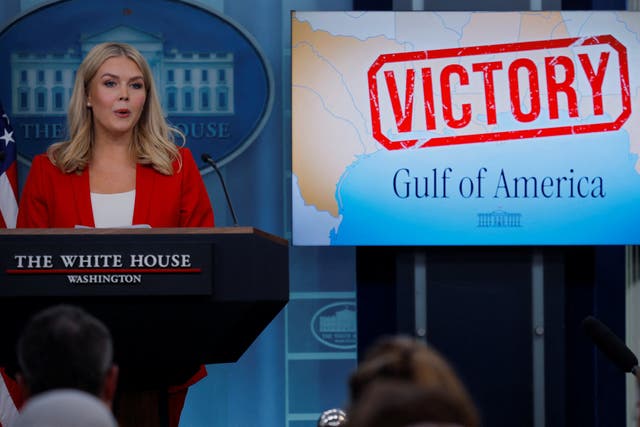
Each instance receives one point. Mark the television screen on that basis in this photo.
(465, 128)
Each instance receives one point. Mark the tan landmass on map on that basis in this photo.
(330, 104)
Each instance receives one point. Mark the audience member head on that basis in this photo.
(407, 362)
(390, 403)
(66, 347)
(65, 408)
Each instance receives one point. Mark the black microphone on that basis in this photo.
(610, 345)
(208, 159)
(1, 156)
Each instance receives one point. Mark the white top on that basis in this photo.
(113, 210)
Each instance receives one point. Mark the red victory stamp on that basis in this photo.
(499, 92)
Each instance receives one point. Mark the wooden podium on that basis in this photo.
(173, 299)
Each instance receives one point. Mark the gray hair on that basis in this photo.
(65, 347)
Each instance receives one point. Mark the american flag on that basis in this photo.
(8, 174)
(10, 399)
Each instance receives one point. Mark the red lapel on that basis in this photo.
(82, 197)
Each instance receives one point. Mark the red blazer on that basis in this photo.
(53, 199)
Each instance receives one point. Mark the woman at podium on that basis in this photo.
(120, 166)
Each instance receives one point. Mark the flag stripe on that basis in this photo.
(12, 174)
(8, 202)
(8, 410)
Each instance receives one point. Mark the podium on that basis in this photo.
(173, 299)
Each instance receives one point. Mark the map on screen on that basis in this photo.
(465, 128)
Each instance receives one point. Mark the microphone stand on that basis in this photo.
(209, 160)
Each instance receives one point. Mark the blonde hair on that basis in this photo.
(153, 139)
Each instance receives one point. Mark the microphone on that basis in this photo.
(208, 159)
(332, 418)
(1, 156)
(610, 345)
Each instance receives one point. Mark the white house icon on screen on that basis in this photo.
(190, 83)
(342, 321)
